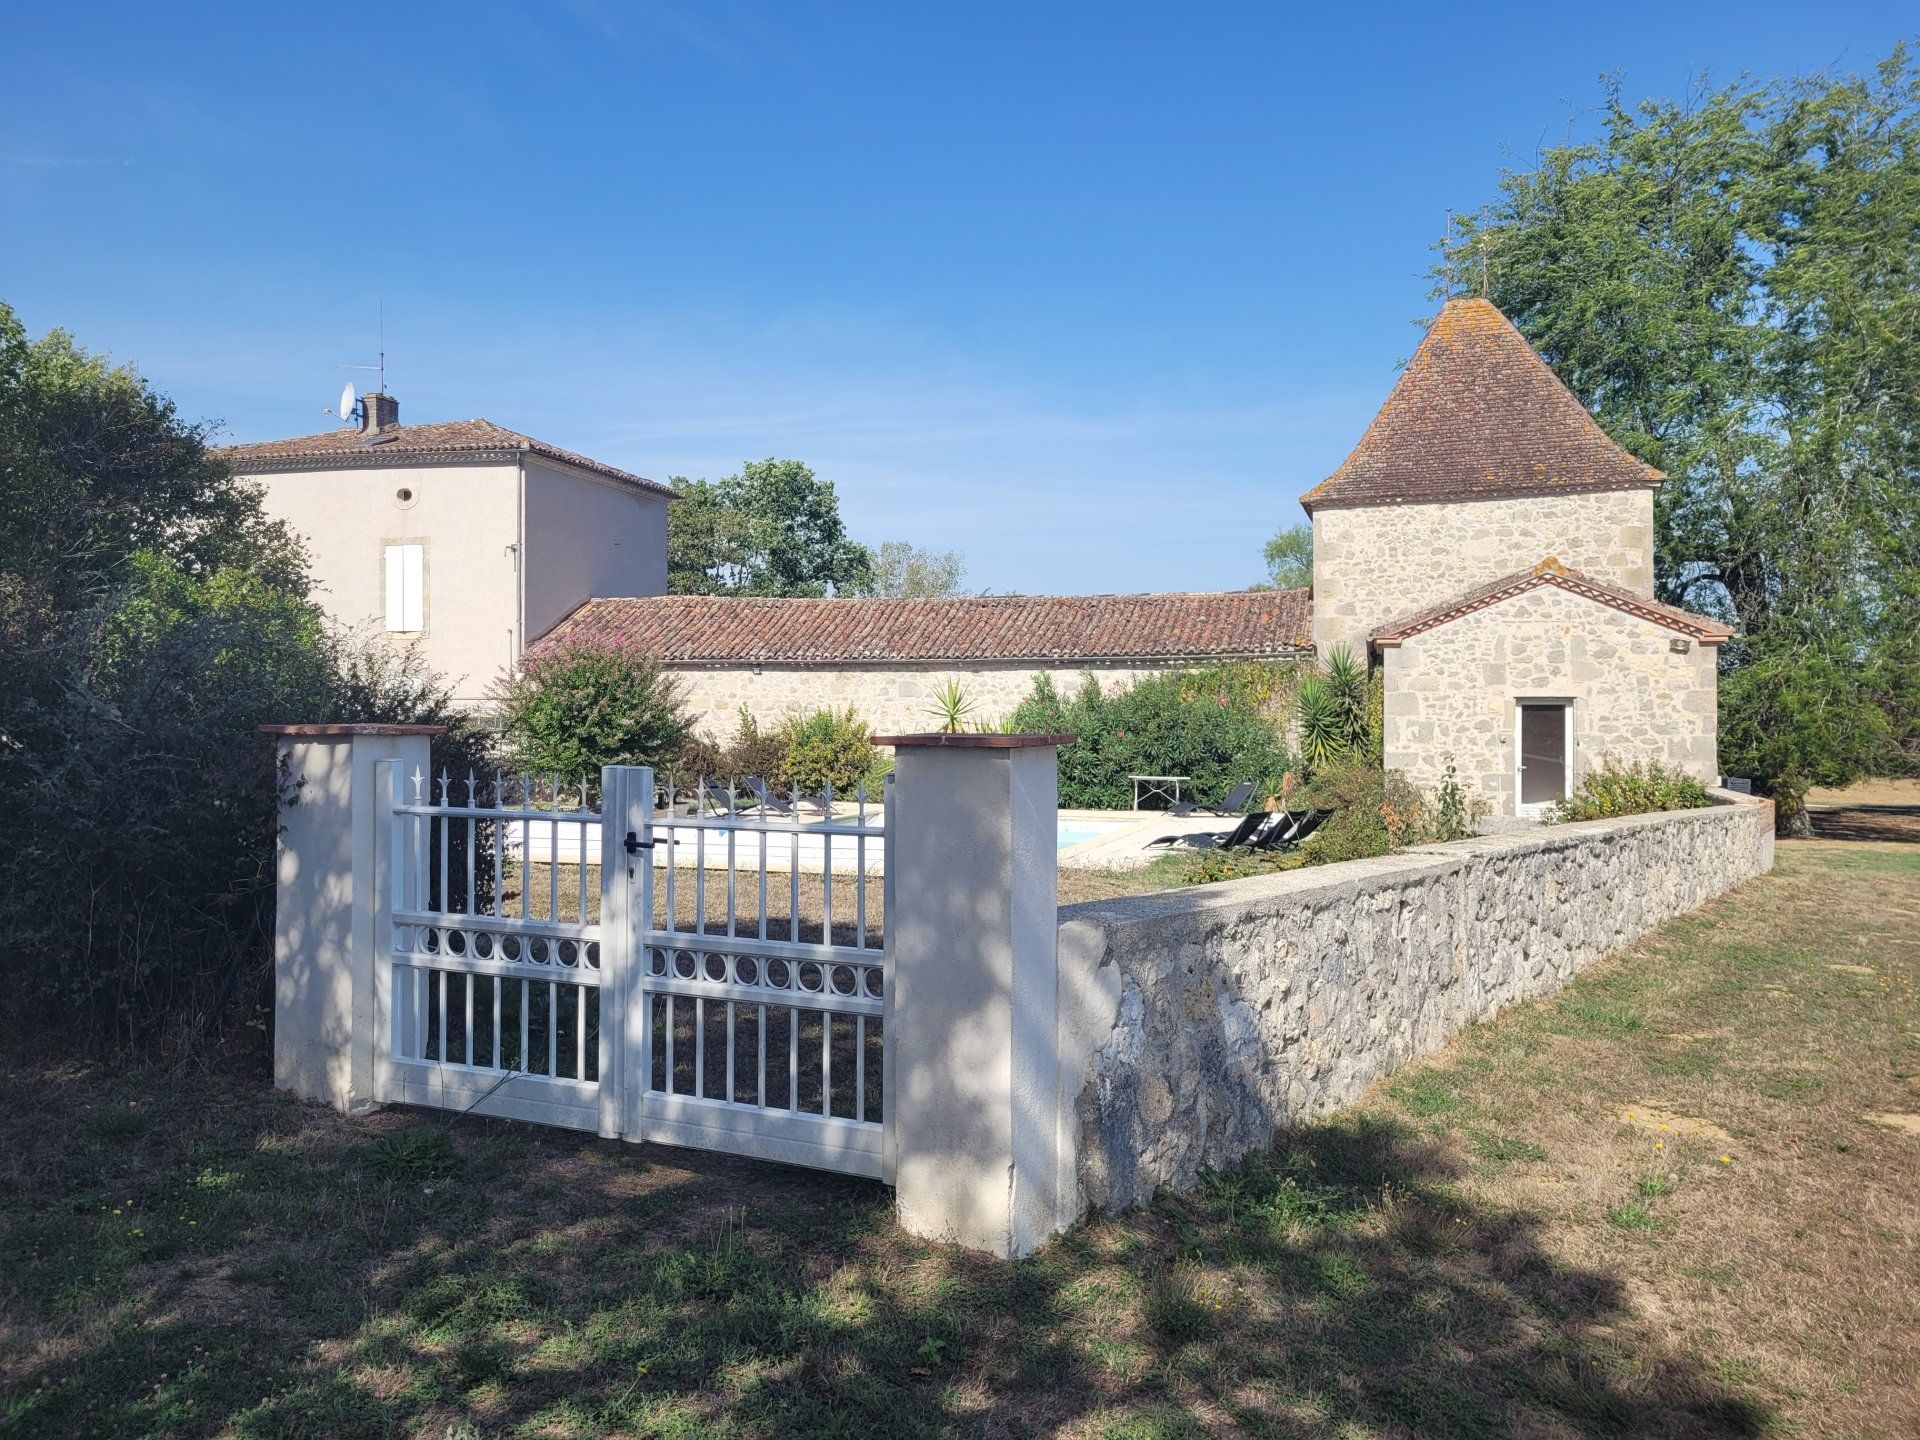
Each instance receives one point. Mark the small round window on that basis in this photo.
(404, 495)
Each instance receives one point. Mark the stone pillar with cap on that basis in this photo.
(971, 1090)
(330, 907)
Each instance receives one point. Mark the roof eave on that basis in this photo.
(1292, 651)
(1696, 627)
(375, 457)
(1314, 500)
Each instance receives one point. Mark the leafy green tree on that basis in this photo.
(150, 620)
(909, 572)
(1731, 284)
(1289, 559)
(773, 529)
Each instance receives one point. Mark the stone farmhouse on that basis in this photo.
(1486, 543)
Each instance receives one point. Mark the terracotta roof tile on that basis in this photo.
(1551, 572)
(1050, 629)
(1477, 413)
(446, 438)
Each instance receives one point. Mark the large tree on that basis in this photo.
(1731, 283)
(773, 529)
(1289, 559)
(907, 571)
(150, 620)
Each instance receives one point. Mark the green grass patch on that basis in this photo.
(1503, 1148)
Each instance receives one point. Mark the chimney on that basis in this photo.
(378, 413)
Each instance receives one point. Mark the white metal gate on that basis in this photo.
(496, 964)
(721, 982)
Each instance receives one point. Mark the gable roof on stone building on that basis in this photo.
(1002, 629)
(1477, 414)
(1551, 572)
(438, 440)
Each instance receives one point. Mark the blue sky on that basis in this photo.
(1088, 292)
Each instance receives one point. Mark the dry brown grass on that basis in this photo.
(1704, 1109)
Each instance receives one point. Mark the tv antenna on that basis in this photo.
(348, 412)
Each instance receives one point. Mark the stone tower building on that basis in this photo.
(1493, 548)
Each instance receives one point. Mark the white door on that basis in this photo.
(1544, 754)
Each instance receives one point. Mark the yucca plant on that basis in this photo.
(1325, 734)
(1346, 679)
(952, 708)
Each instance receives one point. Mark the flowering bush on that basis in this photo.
(1379, 811)
(754, 751)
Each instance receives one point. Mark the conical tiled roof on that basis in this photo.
(1477, 415)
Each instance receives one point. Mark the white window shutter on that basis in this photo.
(406, 588)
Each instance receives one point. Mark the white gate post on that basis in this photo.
(327, 926)
(974, 928)
(626, 808)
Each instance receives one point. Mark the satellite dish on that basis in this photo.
(346, 402)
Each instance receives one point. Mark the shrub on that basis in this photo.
(829, 747)
(1637, 789)
(1205, 724)
(753, 751)
(697, 759)
(570, 710)
(1456, 814)
(1375, 812)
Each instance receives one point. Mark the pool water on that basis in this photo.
(1072, 832)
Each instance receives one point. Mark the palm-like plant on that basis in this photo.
(951, 707)
(1330, 709)
(1346, 679)
(1324, 732)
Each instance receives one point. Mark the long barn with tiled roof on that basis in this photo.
(1486, 544)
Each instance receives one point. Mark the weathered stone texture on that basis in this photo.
(892, 699)
(1373, 564)
(1239, 1008)
(1454, 690)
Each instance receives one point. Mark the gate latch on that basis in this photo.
(635, 844)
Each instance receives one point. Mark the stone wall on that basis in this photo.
(1195, 1023)
(892, 699)
(1377, 563)
(1455, 689)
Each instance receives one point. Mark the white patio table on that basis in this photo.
(1157, 786)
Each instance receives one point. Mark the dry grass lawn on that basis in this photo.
(1668, 1202)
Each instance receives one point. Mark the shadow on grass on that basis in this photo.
(407, 1274)
(1899, 824)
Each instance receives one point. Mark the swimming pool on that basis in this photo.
(1072, 832)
